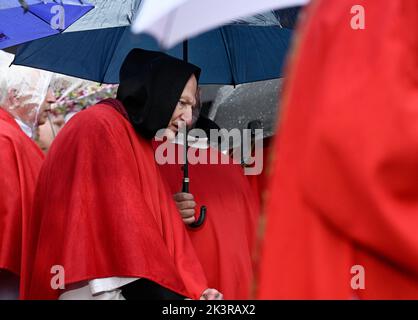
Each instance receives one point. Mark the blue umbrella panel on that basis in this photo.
(39, 19)
(232, 54)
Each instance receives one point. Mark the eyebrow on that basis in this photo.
(188, 99)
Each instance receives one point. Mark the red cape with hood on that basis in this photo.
(20, 163)
(344, 192)
(224, 243)
(102, 210)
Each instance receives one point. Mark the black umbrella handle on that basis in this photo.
(200, 220)
(203, 209)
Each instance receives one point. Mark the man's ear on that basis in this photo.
(11, 98)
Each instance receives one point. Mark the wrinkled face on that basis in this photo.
(185, 106)
(46, 107)
(21, 106)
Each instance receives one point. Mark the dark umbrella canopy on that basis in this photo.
(235, 107)
(229, 55)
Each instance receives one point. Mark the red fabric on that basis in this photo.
(345, 186)
(225, 241)
(20, 162)
(259, 182)
(117, 105)
(101, 210)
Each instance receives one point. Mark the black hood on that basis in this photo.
(151, 84)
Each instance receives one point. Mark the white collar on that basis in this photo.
(25, 128)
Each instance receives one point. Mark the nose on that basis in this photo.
(50, 98)
(187, 116)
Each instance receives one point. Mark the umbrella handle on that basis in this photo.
(203, 209)
(201, 218)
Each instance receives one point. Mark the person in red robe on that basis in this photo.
(21, 93)
(342, 214)
(104, 225)
(224, 243)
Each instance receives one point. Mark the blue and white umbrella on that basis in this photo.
(22, 21)
(173, 21)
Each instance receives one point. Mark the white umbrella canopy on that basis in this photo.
(172, 21)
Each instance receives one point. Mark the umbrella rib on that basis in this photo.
(40, 18)
(123, 30)
(49, 22)
(229, 56)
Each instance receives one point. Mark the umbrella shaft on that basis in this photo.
(54, 134)
(185, 185)
(186, 163)
(185, 51)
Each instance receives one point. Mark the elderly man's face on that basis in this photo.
(21, 106)
(46, 107)
(183, 114)
(27, 111)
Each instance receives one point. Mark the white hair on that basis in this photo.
(27, 83)
(5, 61)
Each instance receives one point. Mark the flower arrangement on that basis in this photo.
(73, 96)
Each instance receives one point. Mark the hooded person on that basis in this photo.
(103, 224)
(22, 92)
(225, 241)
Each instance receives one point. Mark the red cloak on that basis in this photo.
(101, 210)
(259, 182)
(224, 243)
(345, 186)
(20, 163)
